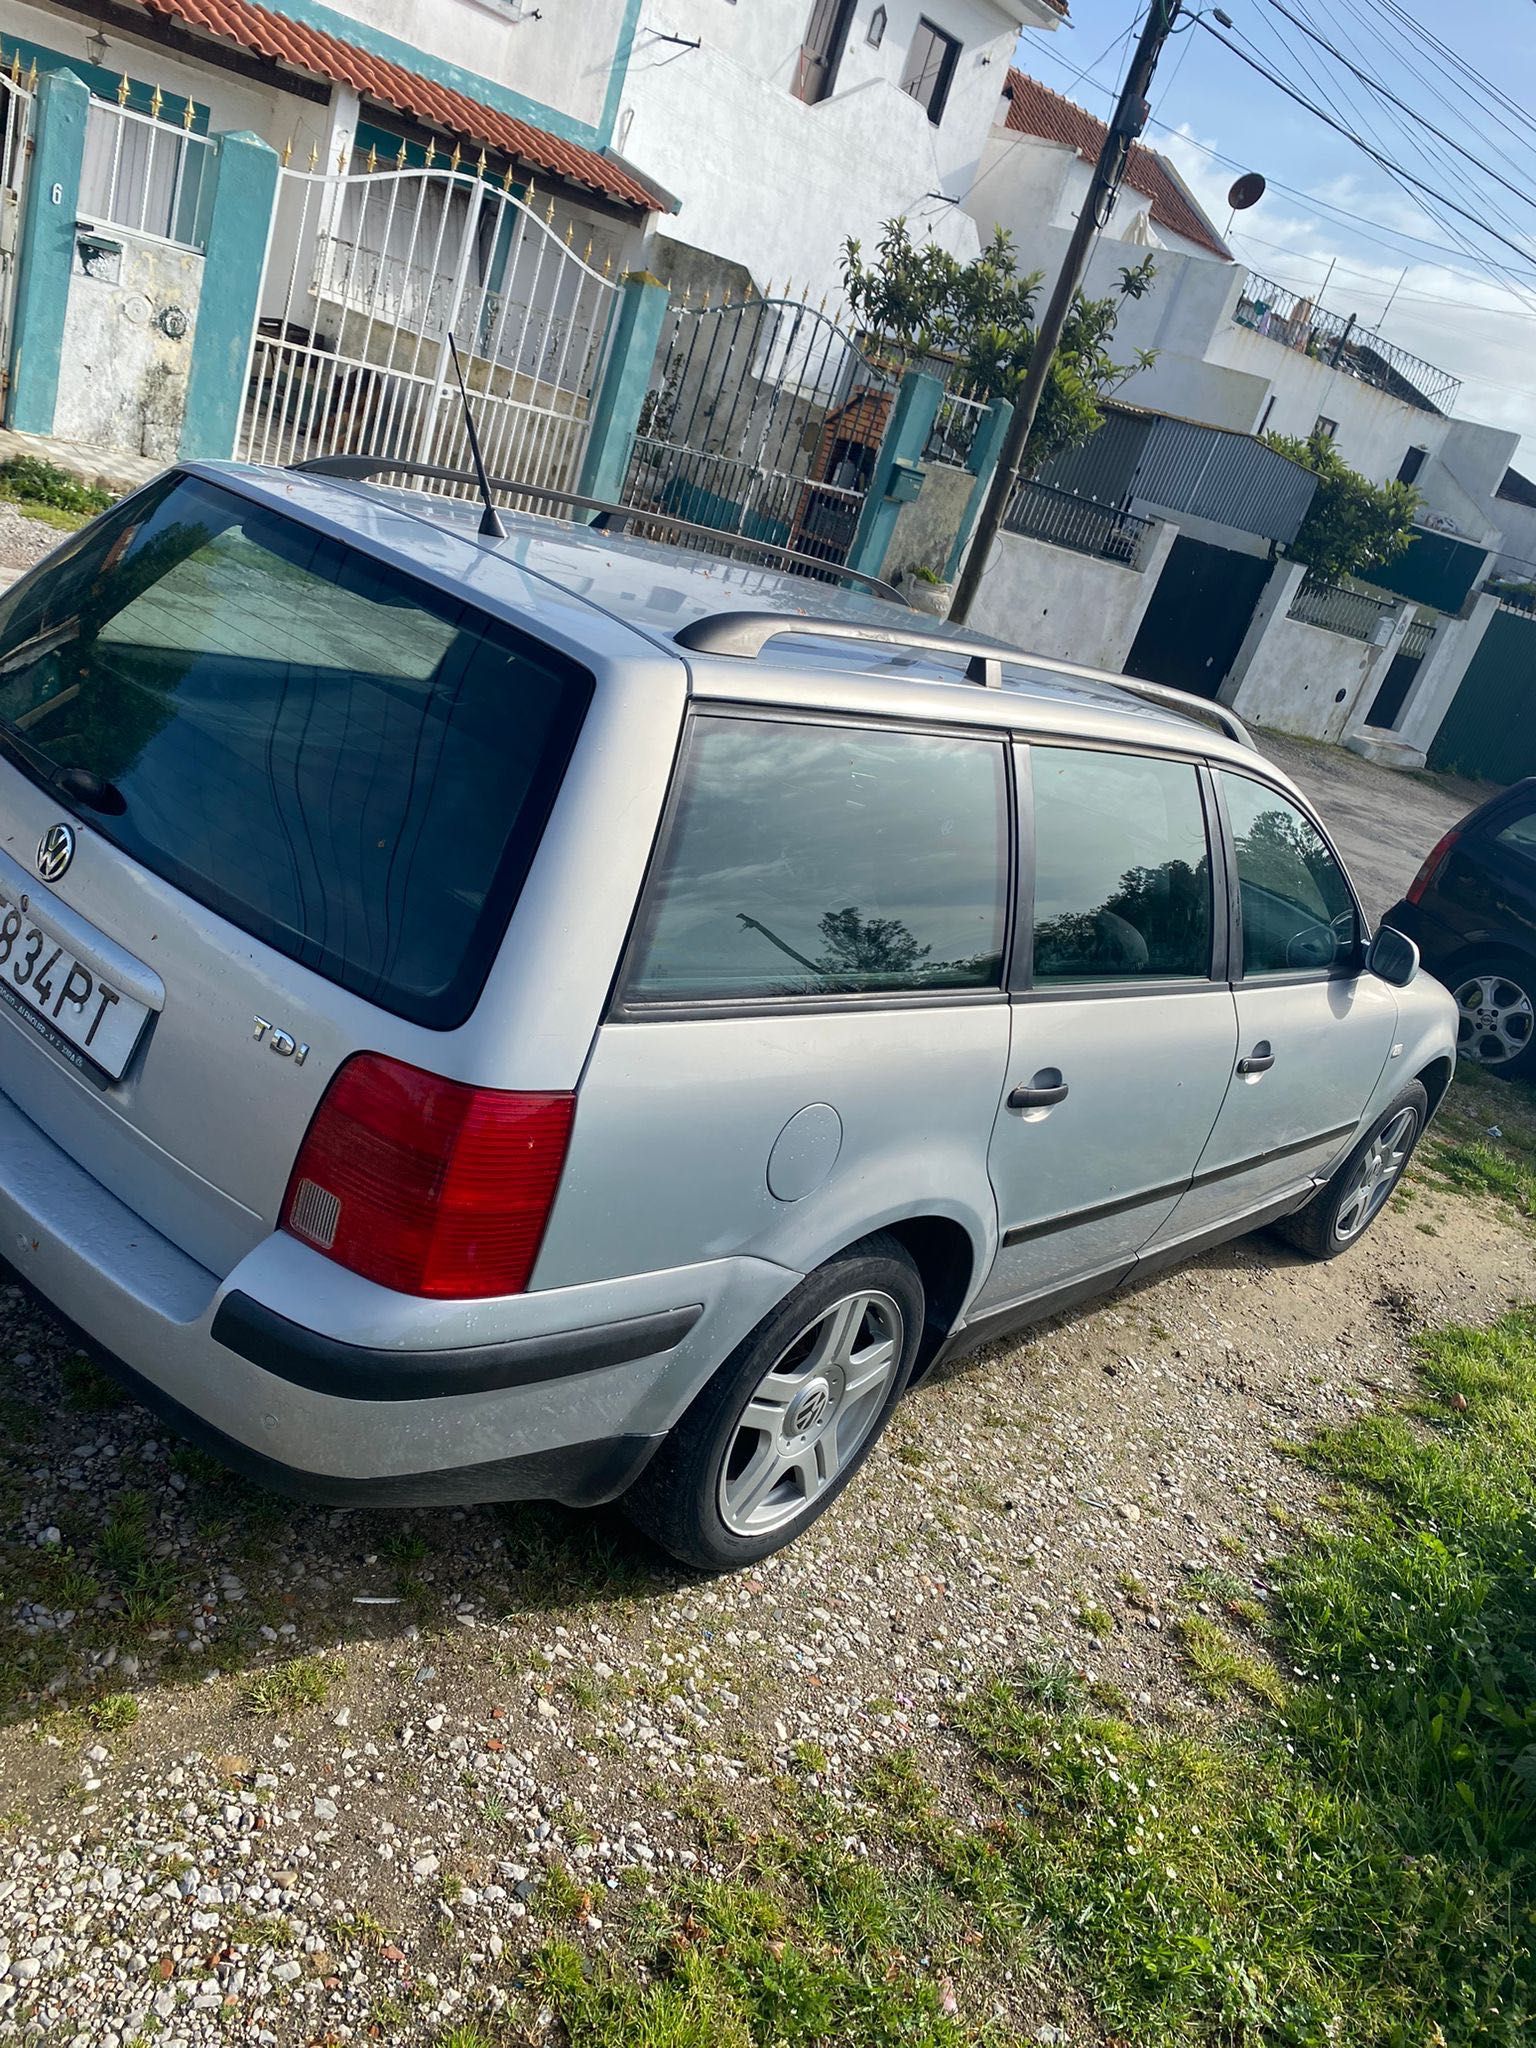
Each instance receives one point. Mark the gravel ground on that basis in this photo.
(207, 1840)
(23, 541)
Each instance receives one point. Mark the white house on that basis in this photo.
(784, 126)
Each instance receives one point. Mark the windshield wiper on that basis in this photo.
(75, 785)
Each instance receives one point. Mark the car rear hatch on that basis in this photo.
(265, 799)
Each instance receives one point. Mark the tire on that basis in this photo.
(724, 1491)
(1495, 998)
(1343, 1210)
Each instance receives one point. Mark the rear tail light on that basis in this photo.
(1438, 856)
(425, 1185)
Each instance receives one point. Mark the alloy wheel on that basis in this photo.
(1376, 1174)
(811, 1413)
(1496, 1019)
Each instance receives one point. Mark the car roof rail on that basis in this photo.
(745, 634)
(612, 518)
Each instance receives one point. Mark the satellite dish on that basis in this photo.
(1247, 191)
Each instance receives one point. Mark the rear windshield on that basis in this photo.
(351, 766)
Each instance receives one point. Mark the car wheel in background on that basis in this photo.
(1496, 1014)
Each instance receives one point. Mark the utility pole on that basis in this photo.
(1129, 119)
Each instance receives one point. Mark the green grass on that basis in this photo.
(50, 493)
(742, 1965)
(1226, 1668)
(287, 1688)
(113, 1712)
(87, 1389)
(1479, 1166)
(1355, 1865)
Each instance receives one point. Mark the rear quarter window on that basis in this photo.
(352, 766)
(821, 860)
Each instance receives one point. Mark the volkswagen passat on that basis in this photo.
(552, 1016)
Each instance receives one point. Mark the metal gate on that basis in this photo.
(370, 271)
(763, 418)
(1200, 611)
(16, 96)
(1490, 729)
(1387, 704)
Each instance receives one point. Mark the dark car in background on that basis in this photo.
(1472, 913)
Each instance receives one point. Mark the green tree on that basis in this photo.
(918, 300)
(1353, 526)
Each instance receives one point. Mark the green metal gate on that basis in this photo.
(1490, 730)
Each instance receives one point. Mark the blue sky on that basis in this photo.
(1453, 307)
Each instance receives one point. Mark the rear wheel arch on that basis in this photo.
(1435, 1079)
(947, 1260)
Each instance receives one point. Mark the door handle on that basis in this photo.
(1259, 1061)
(1040, 1094)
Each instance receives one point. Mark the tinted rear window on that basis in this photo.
(350, 765)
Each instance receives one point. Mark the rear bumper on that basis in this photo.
(325, 1386)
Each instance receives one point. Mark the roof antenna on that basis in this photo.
(490, 518)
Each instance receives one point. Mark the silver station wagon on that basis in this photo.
(556, 1017)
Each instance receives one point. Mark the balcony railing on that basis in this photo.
(1298, 323)
(1338, 609)
(1044, 513)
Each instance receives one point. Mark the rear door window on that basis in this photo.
(350, 765)
(1519, 835)
(1298, 913)
(821, 860)
(1122, 869)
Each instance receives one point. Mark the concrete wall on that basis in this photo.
(777, 185)
(1375, 430)
(1052, 601)
(1517, 552)
(927, 526)
(1430, 695)
(1297, 678)
(125, 382)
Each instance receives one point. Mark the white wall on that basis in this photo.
(1031, 186)
(1052, 601)
(1375, 430)
(539, 59)
(769, 182)
(561, 62)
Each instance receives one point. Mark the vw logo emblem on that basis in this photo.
(55, 851)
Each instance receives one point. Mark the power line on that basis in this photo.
(1385, 92)
(1457, 178)
(1399, 239)
(1341, 128)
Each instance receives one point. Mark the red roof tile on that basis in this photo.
(391, 85)
(1033, 109)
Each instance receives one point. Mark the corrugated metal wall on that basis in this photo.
(1231, 479)
(1104, 467)
(1181, 466)
(1490, 729)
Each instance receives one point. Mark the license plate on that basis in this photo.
(94, 1025)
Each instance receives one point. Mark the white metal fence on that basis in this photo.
(145, 175)
(368, 274)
